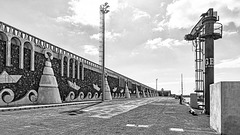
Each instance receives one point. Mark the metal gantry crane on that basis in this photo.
(202, 36)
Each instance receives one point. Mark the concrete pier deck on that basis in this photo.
(145, 116)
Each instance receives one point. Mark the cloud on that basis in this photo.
(110, 36)
(138, 14)
(229, 33)
(229, 63)
(90, 49)
(134, 53)
(181, 17)
(86, 12)
(158, 29)
(159, 42)
(160, 25)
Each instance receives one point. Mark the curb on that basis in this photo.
(44, 106)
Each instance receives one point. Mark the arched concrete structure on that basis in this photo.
(22, 42)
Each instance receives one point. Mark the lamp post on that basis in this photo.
(156, 83)
(103, 11)
(181, 97)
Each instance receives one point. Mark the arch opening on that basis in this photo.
(65, 63)
(27, 55)
(3, 39)
(3, 36)
(71, 68)
(15, 51)
(76, 69)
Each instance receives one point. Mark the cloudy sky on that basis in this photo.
(144, 37)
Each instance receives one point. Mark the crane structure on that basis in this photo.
(202, 36)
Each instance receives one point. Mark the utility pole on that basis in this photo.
(182, 84)
(156, 83)
(103, 11)
(181, 97)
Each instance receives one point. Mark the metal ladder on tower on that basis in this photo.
(198, 45)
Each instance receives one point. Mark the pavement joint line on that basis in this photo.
(176, 129)
(43, 106)
(187, 130)
(141, 126)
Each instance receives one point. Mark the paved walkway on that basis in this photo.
(147, 116)
(27, 107)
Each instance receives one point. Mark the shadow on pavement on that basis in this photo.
(78, 111)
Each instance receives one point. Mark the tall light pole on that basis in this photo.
(182, 84)
(181, 97)
(103, 11)
(156, 83)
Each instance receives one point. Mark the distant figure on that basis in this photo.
(180, 97)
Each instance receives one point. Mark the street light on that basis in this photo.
(156, 83)
(103, 11)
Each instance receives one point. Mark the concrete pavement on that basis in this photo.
(27, 107)
(146, 116)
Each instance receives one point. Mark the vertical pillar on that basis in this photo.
(62, 66)
(68, 61)
(21, 54)
(73, 72)
(82, 71)
(78, 66)
(8, 52)
(32, 58)
(209, 57)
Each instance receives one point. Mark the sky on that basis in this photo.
(144, 38)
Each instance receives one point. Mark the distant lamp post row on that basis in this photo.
(103, 10)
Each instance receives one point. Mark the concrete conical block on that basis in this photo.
(148, 94)
(48, 69)
(144, 95)
(48, 92)
(137, 93)
(48, 81)
(127, 94)
(108, 95)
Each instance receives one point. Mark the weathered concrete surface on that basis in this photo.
(127, 94)
(225, 107)
(137, 93)
(48, 92)
(145, 116)
(108, 95)
(193, 100)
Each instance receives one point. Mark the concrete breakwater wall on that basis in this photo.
(24, 57)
